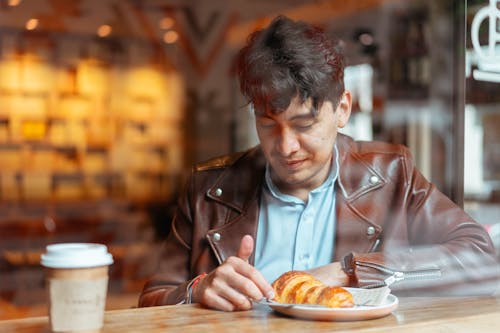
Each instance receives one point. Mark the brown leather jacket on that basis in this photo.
(391, 223)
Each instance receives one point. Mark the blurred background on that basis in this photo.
(106, 104)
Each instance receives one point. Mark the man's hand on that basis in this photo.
(233, 285)
(331, 274)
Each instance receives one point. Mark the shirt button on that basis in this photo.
(374, 180)
(218, 192)
(370, 231)
(216, 237)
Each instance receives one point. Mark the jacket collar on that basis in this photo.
(249, 180)
(356, 177)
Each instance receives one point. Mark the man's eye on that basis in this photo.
(304, 126)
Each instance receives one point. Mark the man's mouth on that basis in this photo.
(295, 163)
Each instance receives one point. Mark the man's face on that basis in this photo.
(299, 145)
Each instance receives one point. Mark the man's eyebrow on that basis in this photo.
(270, 115)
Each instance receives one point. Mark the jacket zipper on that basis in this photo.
(396, 276)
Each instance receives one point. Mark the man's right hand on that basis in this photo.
(233, 285)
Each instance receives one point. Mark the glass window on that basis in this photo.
(482, 115)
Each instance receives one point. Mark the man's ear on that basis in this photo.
(344, 109)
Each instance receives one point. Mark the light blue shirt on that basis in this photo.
(292, 234)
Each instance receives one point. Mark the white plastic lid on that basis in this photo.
(76, 255)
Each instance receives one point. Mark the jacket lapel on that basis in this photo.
(356, 230)
(243, 201)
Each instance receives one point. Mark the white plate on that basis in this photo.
(358, 312)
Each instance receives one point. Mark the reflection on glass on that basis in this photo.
(482, 116)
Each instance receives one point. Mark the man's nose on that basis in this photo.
(288, 142)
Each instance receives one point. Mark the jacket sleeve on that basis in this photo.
(448, 253)
(169, 284)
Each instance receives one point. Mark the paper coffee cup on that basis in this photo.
(77, 283)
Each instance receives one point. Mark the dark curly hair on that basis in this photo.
(287, 59)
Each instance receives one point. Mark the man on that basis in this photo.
(307, 198)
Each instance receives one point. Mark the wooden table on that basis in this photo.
(475, 314)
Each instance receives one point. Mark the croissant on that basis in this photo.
(299, 287)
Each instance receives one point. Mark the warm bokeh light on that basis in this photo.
(104, 30)
(14, 3)
(170, 37)
(166, 23)
(32, 24)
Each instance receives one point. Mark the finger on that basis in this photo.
(223, 297)
(238, 300)
(249, 280)
(215, 301)
(247, 287)
(246, 247)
